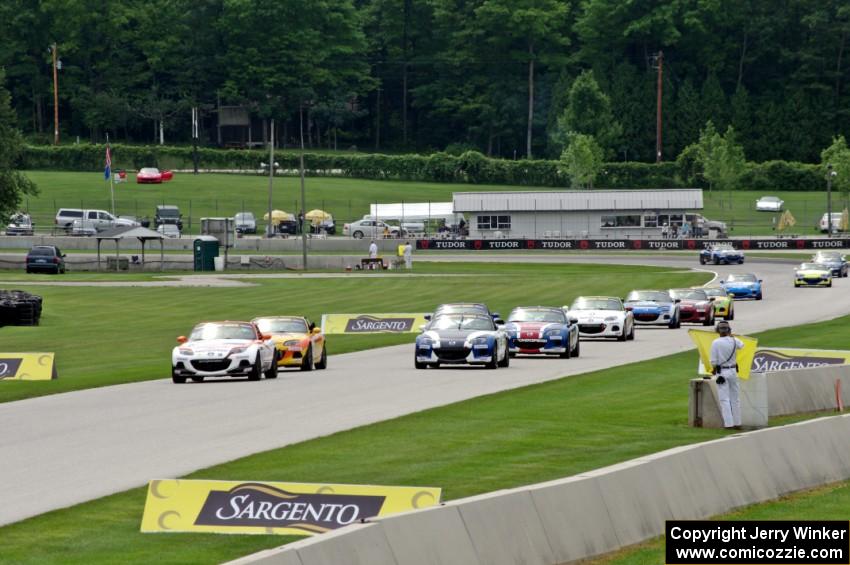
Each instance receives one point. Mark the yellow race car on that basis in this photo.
(724, 306)
(813, 274)
(298, 342)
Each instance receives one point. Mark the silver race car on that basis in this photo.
(223, 349)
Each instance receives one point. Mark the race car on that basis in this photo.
(463, 308)
(721, 253)
(743, 286)
(813, 274)
(832, 259)
(653, 308)
(223, 349)
(151, 175)
(724, 306)
(695, 306)
(297, 341)
(453, 339)
(540, 330)
(602, 316)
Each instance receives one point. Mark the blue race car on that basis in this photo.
(538, 330)
(653, 308)
(721, 253)
(743, 286)
(462, 339)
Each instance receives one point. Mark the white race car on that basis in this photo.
(602, 316)
(223, 349)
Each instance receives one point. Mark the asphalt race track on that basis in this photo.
(69, 448)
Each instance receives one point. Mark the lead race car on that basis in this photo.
(541, 330)
(602, 316)
(653, 308)
(743, 286)
(462, 339)
(695, 306)
(721, 253)
(299, 343)
(223, 349)
(813, 274)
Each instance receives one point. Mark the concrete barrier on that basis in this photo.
(595, 512)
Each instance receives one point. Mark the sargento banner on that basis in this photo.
(627, 244)
(784, 359)
(372, 323)
(27, 366)
(233, 507)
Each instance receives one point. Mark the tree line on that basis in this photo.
(508, 78)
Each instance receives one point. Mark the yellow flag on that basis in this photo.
(845, 220)
(744, 357)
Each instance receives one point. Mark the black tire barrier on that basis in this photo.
(19, 308)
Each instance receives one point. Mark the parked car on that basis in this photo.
(168, 214)
(168, 230)
(45, 258)
(245, 222)
(20, 224)
(151, 175)
(769, 204)
(325, 226)
(82, 228)
(836, 223)
(371, 228)
(99, 220)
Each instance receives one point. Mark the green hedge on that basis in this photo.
(469, 167)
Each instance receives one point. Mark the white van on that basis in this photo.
(836, 223)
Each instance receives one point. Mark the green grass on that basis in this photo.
(533, 434)
(829, 502)
(349, 199)
(130, 331)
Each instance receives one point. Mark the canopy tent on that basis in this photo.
(278, 216)
(316, 217)
(415, 211)
(142, 234)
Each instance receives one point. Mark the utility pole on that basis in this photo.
(659, 62)
(303, 212)
(271, 180)
(377, 123)
(829, 174)
(56, 65)
(195, 134)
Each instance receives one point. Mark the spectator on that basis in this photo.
(373, 250)
(408, 255)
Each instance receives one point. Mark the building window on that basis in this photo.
(625, 221)
(650, 221)
(671, 219)
(494, 222)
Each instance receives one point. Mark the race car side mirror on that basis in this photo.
(722, 282)
(677, 300)
(711, 298)
(315, 331)
(573, 320)
(427, 317)
(499, 322)
(760, 280)
(266, 337)
(182, 339)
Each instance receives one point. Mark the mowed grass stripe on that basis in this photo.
(524, 436)
(104, 336)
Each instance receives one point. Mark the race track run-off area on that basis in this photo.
(68, 448)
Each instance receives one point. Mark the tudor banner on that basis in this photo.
(233, 507)
(27, 366)
(372, 323)
(613, 244)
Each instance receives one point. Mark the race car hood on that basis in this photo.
(649, 305)
(741, 284)
(216, 345)
(280, 338)
(530, 330)
(589, 315)
(831, 264)
(455, 335)
(693, 303)
(813, 272)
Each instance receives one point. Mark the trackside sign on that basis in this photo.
(232, 507)
(371, 323)
(611, 244)
(27, 366)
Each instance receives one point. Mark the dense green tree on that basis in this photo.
(13, 184)
(581, 160)
(722, 157)
(837, 155)
(589, 112)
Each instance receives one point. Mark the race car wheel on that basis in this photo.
(709, 319)
(494, 361)
(257, 370)
(177, 379)
(631, 333)
(434, 365)
(622, 336)
(323, 362)
(272, 372)
(417, 364)
(758, 297)
(357, 235)
(731, 315)
(701, 260)
(716, 261)
(198, 379)
(577, 349)
(511, 355)
(568, 350)
(506, 361)
(674, 323)
(829, 285)
(307, 363)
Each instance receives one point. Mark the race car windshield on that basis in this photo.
(811, 267)
(684, 294)
(715, 292)
(222, 331)
(462, 309)
(149, 171)
(537, 315)
(648, 295)
(596, 304)
(742, 278)
(829, 257)
(272, 326)
(461, 322)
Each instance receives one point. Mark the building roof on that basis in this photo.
(128, 231)
(578, 200)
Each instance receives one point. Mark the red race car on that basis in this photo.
(695, 306)
(150, 175)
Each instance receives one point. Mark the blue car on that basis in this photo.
(540, 330)
(653, 308)
(743, 286)
(834, 260)
(462, 339)
(721, 253)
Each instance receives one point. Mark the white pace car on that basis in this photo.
(602, 316)
(223, 349)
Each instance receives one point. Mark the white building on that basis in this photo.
(578, 213)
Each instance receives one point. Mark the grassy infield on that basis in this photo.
(346, 199)
(525, 436)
